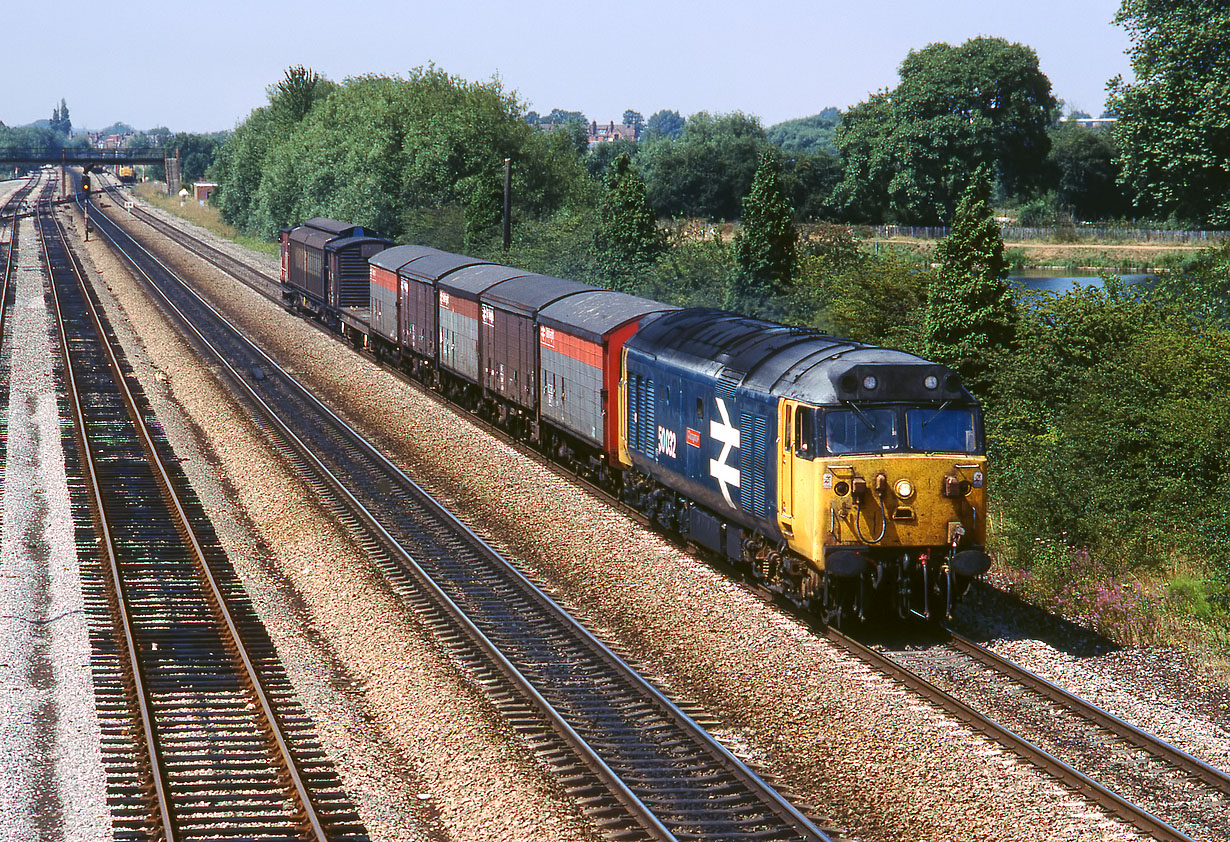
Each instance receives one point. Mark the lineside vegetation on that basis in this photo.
(1108, 407)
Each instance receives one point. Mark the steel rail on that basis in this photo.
(1193, 766)
(266, 285)
(216, 597)
(142, 694)
(14, 201)
(1068, 775)
(619, 788)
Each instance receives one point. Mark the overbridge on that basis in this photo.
(86, 158)
(89, 159)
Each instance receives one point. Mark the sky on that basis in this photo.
(201, 67)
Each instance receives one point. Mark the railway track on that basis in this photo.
(202, 735)
(635, 762)
(1157, 787)
(1160, 789)
(10, 222)
(248, 275)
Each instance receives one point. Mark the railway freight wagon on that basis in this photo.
(459, 313)
(847, 476)
(384, 331)
(326, 269)
(405, 304)
(509, 345)
(581, 340)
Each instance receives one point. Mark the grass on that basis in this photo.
(1171, 605)
(206, 216)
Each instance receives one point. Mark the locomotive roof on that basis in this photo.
(475, 279)
(436, 264)
(530, 293)
(795, 363)
(398, 256)
(595, 313)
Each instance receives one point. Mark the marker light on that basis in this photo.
(931, 381)
(870, 382)
(904, 489)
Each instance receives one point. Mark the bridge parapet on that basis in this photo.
(85, 157)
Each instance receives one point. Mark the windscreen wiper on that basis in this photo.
(862, 416)
(936, 414)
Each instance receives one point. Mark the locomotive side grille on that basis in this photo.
(648, 437)
(753, 492)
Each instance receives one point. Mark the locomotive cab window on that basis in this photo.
(858, 430)
(947, 430)
(805, 445)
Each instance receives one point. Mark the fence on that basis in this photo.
(1068, 234)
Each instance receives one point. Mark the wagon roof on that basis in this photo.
(313, 237)
(530, 293)
(398, 256)
(594, 314)
(337, 229)
(473, 280)
(339, 243)
(436, 264)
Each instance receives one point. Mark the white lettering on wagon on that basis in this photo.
(720, 469)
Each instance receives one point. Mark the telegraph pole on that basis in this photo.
(507, 203)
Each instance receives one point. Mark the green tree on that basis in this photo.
(60, 122)
(628, 241)
(907, 152)
(1129, 395)
(1171, 126)
(707, 170)
(807, 134)
(197, 153)
(1086, 173)
(809, 180)
(881, 300)
(765, 244)
(971, 312)
(239, 170)
(664, 124)
(634, 119)
(599, 159)
(299, 90)
(559, 117)
(424, 152)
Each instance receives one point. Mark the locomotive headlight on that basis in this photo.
(931, 381)
(904, 489)
(870, 382)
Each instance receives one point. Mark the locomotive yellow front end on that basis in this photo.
(884, 494)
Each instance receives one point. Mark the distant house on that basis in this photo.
(612, 132)
(108, 141)
(1090, 122)
(598, 133)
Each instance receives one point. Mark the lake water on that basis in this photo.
(1045, 280)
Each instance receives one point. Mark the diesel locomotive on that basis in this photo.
(848, 478)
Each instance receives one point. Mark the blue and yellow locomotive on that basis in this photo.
(845, 475)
